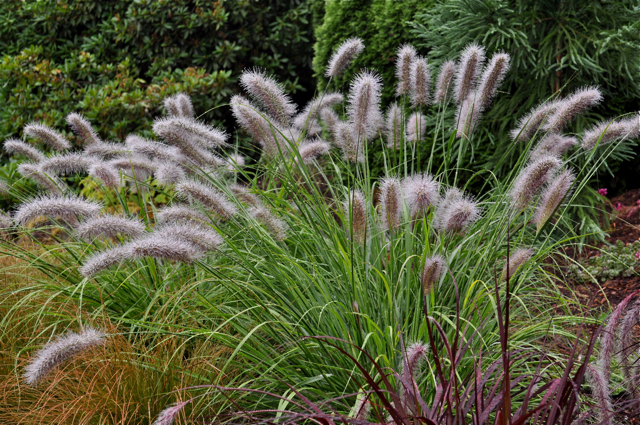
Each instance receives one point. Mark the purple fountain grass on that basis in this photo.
(600, 387)
(416, 127)
(70, 163)
(269, 94)
(208, 196)
(432, 270)
(355, 208)
(362, 408)
(103, 260)
(468, 68)
(244, 196)
(110, 226)
(330, 119)
(153, 150)
(393, 126)
(342, 57)
(106, 150)
(168, 173)
(47, 135)
(58, 351)
(420, 192)
(48, 182)
(553, 144)
(311, 150)
(199, 235)
(179, 105)
(492, 78)
(608, 340)
(180, 213)
(275, 226)
(404, 60)
(109, 176)
(567, 109)
(364, 104)
(68, 208)
(134, 165)
(531, 179)
(391, 204)
(161, 248)
(444, 82)
(467, 115)
(552, 196)
(203, 135)
(312, 111)
(420, 86)
(235, 162)
(608, 131)
(531, 123)
(456, 212)
(83, 129)
(516, 259)
(415, 353)
(168, 415)
(626, 345)
(352, 148)
(13, 146)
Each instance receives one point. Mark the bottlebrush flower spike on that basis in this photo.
(580, 101)
(169, 173)
(355, 208)
(469, 66)
(154, 150)
(432, 271)
(608, 342)
(168, 415)
(364, 105)
(342, 57)
(410, 368)
(180, 213)
(110, 226)
(83, 129)
(362, 408)
(600, 388)
(552, 196)
(531, 179)
(391, 203)
(276, 227)
(420, 192)
(208, 196)
(330, 119)
(456, 212)
(50, 183)
(608, 131)
(243, 195)
(269, 94)
(104, 260)
(420, 82)
(58, 351)
(205, 135)
(162, 248)
(179, 105)
(468, 115)
(105, 150)
(201, 236)
(445, 78)
(6, 222)
(235, 162)
(311, 150)
(516, 259)
(352, 148)
(529, 125)
(70, 163)
(312, 110)
(109, 176)
(626, 345)
(492, 78)
(48, 136)
(404, 60)
(393, 126)
(68, 208)
(13, 146)
(416, 127)
(553, 144)
(133, 165)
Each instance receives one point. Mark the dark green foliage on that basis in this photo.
(383, 27)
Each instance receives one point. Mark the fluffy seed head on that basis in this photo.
(445, 78)
(184, 128)
(492, 78)
(235, 162)
(180, 213)
(162, 248)
(467, 115)
(275, 226)
(626, 345)
(13, 146)
(552, 196)
(109, 176)
(607, 339)
(364, 104)
(311, 150)
(70, 163)
(416, 127)
(355, 208)
(153, 150)
(83, 128)
(432, 272)
(313, 108)
(420, 192)
(67, 208)
(134, 165)
(602, 395)
(330, 119)
(393, 126)
(6, 222)
(56, 352)
(406, 57)
(553, 144)
(243, 195)
(179, 105)
(169, 173)
(420, 82)
(390, 203)
(456, 212)
(517, 259)
(342, 57)
(48, 182)
(167, 416)
(531, 179)
(415, 353)
(580, 101)
(468, 68)
(199, 235)
(104, 260)
(48, 136)
(269, 94)
(607, 132)
(208, 196)
(529, 125)
(106, 150)
(352, 148)
(110, 226)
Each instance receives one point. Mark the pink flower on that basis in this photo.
(603, 191)
(638, 256)
(619, 206)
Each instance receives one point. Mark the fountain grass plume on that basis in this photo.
(362, 409)
(626, 345)
(136, 165)
(352, 148)
(47, 135)
(567, 109)
(179, 105)
(83, 129)
(68, 208)
(58, 351)
(516, 260)
(6, 222)
(456, 212)
(531, 179)
(168, 173)
(529, 125)
(311, 150)
(420, 192)
(467, 116)
(416, 127)
(106, 150)
(468, 68)
(553, 144)
(342, 57)
(235, 162)
(48, 182)
(357, 215)
(391, 204)
(600, 389)
(492, 78)
(204, 135)
(393, 126)
(364, 104)
(202, 236)
(154, 150)
(606, 132)
(275, 226)
(70, 163)
(312, 111)
(244, 196)
(404, 60)
(444, 82)
(191, 146)
(269, 94)
(330, 119)
(180, 213)
(608, 340)
(161, 248)
(552, 196)
(13, 147)
(208, 196)
(168, 415)
(109, 176)
(432, 270)
(110, 226)
(420, 86)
